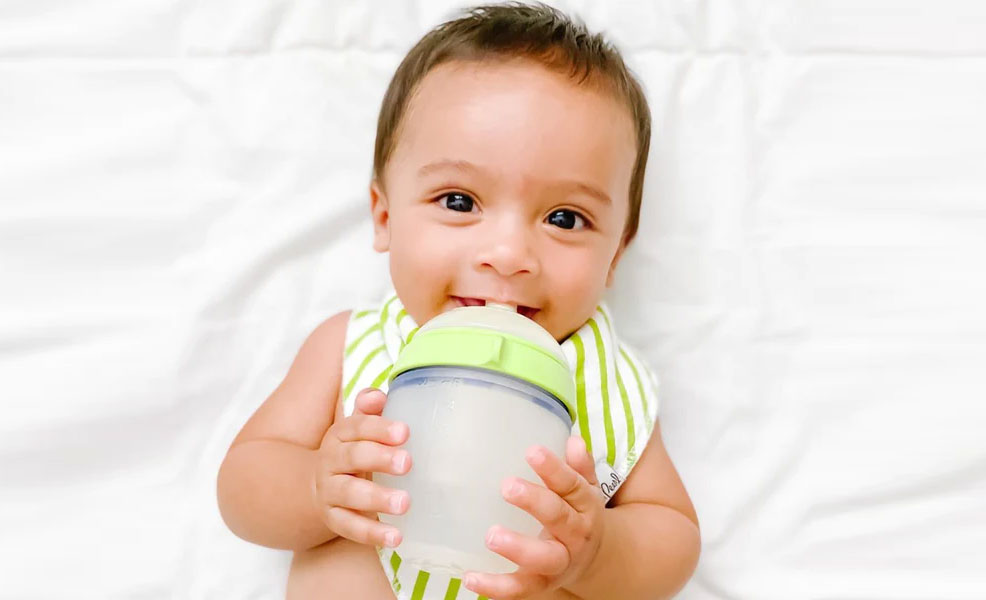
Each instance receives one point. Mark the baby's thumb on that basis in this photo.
(578, 458)
(370, 401)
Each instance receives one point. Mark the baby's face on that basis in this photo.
(509, 183)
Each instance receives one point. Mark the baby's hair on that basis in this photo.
(517, 30)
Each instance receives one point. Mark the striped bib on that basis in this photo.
(616, 406)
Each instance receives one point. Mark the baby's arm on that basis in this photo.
(651, 542)
(264, 484)
(297, 475)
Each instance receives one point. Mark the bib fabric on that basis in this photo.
(616, 406)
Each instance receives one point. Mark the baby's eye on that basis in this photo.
(566, 219)
(457, 201)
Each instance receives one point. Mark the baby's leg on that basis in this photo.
(338, 569)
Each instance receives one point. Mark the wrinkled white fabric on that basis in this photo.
(183, 198)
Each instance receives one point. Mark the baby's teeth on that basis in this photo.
(509, 307)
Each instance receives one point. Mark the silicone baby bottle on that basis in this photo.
(477, 386)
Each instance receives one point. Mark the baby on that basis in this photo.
(508, 167)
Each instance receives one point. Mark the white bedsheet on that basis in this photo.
(183, 198)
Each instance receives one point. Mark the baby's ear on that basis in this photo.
(380, 212)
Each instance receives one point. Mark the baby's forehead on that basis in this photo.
(515, 70)
(514, 108)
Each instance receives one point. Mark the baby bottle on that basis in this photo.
(477, 386)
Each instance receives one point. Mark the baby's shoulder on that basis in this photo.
(328, 337)
(322, 351)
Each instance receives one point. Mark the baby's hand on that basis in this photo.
(570, 508)
(351, 449)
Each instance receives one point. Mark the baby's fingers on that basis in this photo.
(369, 457)
(361, 529)
(558, 517)
(562, 479)
(371, 427)
(578, 458)
(536, 555)
(360, 494)
(507, 586)
(370, 402)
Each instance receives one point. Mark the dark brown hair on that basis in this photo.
(518, 30)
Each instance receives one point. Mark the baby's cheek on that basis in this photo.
(572, 310)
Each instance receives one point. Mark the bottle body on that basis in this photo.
(470, 428)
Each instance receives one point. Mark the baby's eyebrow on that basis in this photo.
(585, 189)
(448, 164)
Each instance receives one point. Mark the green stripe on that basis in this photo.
(359, 371)
(395, 563)
(453, 588)
(386, 309)
(410, 337)
(631, 430)
(384, 314)
(383, 375)
(605, 316)
(631, 434)
(363, 313)
(640, 388)
(352, 346)
(604, 381)
(401, 315)
(419, 585)
(580, 411)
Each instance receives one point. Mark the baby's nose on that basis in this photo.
(509, 250)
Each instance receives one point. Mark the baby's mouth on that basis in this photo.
(527, 311)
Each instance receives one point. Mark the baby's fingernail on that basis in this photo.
(493, 538)
(470, 580)
(396, 431)
(536, 456)
(400, 461)
(391, 539)
(397, 504)
(514, 489)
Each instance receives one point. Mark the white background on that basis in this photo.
(183, 197)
